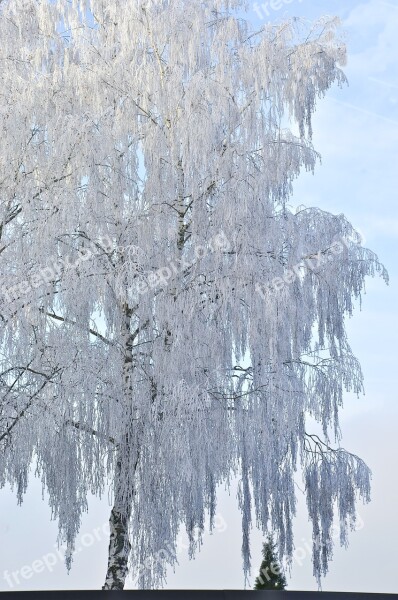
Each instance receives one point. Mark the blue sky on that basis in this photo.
(356, 132)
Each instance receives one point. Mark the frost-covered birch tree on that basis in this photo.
(168, 321)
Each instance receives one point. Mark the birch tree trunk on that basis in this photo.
(119, 543)
(126, 465)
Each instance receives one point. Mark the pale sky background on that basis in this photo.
(356, 132)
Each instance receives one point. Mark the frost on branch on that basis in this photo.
(332, 477)
(147, 156)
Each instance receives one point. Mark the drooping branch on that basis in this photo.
(70, 322)
(23, 412)
(87, 429)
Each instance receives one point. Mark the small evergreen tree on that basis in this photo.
(271, 576)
